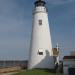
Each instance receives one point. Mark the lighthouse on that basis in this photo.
(40, 54)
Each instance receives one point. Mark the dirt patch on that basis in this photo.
(11, 69)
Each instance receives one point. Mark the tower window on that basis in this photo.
(40, 22)
(40, 52)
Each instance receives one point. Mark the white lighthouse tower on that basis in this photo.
(41, 55)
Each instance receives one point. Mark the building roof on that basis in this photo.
(69, 57)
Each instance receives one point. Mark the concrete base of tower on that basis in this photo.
(43, 64)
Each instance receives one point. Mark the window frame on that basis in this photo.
(40, 22)
(40, 52)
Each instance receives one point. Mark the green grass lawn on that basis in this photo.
(36, 72)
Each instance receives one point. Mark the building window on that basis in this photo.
(40, 22)
(40, 52)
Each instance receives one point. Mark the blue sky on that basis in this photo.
(16, 26)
